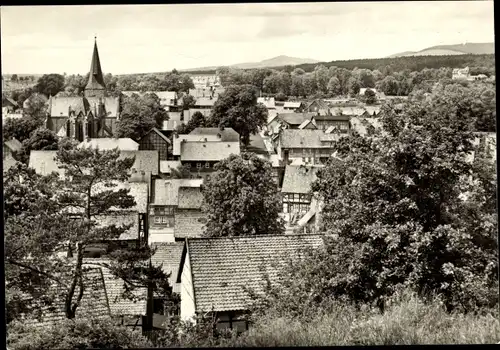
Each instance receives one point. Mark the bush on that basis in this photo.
(406, 320)
(74, 334)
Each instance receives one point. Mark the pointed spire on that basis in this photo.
(96, 78)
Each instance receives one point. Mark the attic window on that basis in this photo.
(228, 145)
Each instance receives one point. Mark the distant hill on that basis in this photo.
(448, 50)
(278, 61)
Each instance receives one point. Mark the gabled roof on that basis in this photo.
(118, 304)
(298, 179)
(296, 118)
(257, 145)
(166, 166)
(189, 223)
(166, 97)
(348, 111)
(13, 144)
(123, 144)
(223, 267)
(190, 197)
(93, 304)
(208, 151)
(191, 138)
(60, 106)
(169, 255)
(147, 161)
(227, 135)
(307, 122)
(159, 133)
(167, 191)
(8, 101)
(361, 124)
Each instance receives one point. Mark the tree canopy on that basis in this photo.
(50, 84)
(241, 198)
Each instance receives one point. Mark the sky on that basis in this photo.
(159, 38)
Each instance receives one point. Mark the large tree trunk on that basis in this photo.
(77, 280)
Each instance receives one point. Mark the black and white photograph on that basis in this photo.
(249, 174)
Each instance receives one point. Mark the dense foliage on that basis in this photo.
(50, 84)
(76, 334)
(237, 108)
(406, 207)
(241, 198)
(197, 120)
(139, 115)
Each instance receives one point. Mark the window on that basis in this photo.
(188, 165)
(207, 165)
(157, 219)
(198, 165)
(303, 159)
(207, 177)
(164, 220)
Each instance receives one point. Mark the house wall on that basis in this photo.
(296, 202)
(188, 306)
(155, 142)
(325, 124)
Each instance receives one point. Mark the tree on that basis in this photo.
(198, 120)
(415, 211)
(181, 172)
(139, 115)
(50, 84)
(237, 108)
(75, 85)
(40, 139)
(188, 101)
(334, 87)
(353, 86)
(186, 83)
(241, 198)
(370, 97)
(389, 86)
(14, 78)
(38, 226)
(20, 129)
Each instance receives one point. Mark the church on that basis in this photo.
(93, 115)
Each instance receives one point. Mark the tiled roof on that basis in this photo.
(306, 123)
(120, 218)
(223, 267)
(271, 115)
(298, 179)
(228, 134)
(13, 144)
(190, 137)
(292, 104)
(130, 93)
(348, 111)
(34, 95)
(305, 138)
(372, 109)
(93, 304)
(44, 162)
(175, 116)
(138, 190)
(59, 106)
(205, 101)
(296, 118)
(144, 160)
(330, 117)
(189, 223)
(169, 255)
(167, 191)
(8, 101)
(123, 144)
(166, 166)
(190, 198)
(208, 151)
(118, 304)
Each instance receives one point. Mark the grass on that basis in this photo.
(407, 322)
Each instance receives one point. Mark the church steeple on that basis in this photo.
(95, 86)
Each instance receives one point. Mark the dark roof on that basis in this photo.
(222, 267)
(10, 101)
(189, 223)
(295, 118)
(167, 190)
(93, 304)
(190, 198)
(228, 134)
(169, 254)
(257, 144)
(167, 140)
(96, 78)
(331, 117)
(298, 178)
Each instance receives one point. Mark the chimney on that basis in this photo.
(219, 136)
(205, 139)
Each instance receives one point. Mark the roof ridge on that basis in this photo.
(259, 236)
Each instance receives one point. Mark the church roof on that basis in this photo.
(96, 78)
